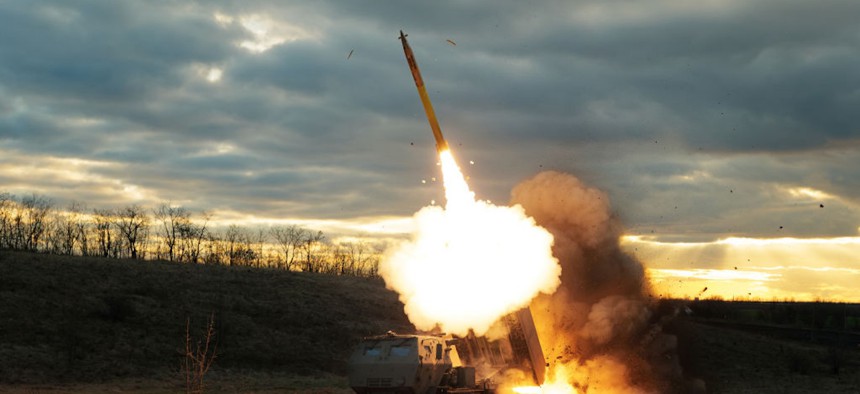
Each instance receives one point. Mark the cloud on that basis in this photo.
(695, 118)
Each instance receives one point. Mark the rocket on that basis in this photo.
(441, 144)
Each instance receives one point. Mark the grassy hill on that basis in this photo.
(88, 325)
(77, 319)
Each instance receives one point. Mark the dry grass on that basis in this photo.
(88, 325)
(734, 361)
(80, 320)
(231, 382)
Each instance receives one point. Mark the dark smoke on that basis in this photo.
(602, 319)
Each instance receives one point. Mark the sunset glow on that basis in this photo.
(802, 269)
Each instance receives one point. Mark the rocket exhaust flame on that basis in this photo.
(470, 263)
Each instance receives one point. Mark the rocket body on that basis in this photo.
(441, 144)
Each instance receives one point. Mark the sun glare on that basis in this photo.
(798, 268)
(268, 32)
(214, 74)
(806, 192)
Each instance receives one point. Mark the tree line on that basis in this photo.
(173, 233)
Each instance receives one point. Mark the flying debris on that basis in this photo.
(350, 54)
(441, 144)
(452, 42)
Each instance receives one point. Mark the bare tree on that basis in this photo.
(61, 230)
(7, 205)
(239, 247)
(63, 234)
(231, 238)
(180, 234)
(215, 249)
(52, 238)
(372, 266)
(260, 238)
(336, 257)
(193, 235)
(243, 253)
(133, 225)
(365, 258)
(30, 222)
(350, 258)
(289, 239)
(356, 258)
(311, 245)
(68, 228)
(174, 220)
(82, 226)
(104, 227)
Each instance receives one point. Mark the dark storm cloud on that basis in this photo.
(103, 51)
(747, 77)
(631, 96)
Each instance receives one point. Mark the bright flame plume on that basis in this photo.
(557, 383)
(470, 263)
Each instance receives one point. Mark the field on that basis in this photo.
(82, 321)
(77, 324)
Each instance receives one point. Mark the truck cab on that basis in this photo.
(413, 364)
(437, 364)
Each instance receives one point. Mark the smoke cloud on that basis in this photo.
(598, 330)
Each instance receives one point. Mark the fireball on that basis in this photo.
(470, 262)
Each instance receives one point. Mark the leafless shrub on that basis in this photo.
(199, 356)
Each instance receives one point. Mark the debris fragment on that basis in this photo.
(452, 42)
(350, 54)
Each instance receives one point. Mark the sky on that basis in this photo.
(725, 133)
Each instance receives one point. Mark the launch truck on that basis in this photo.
(435, 364)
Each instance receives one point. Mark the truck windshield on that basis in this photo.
(400, 351)
(372, 351)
